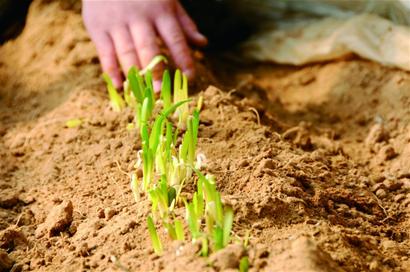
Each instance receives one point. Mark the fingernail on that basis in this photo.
(157, 85)
(201, 37)
(117, 83)
(190, 73)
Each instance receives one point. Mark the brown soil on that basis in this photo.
(314, 160)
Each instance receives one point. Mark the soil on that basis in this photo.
(314, 160)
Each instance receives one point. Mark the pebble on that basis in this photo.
(387, 153)
(398, 198)
(109, 213)
(374, 265)
(377, 186)
(392, 185)
(376, 135)
(5, 262)
(381, 193)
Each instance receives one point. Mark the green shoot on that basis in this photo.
(156, 243)
(72, 123)
(244, 264)
(199, 103)
(149, 90)
(130, 126)
(228, 221)
(217, 233)
(147, 158)
(136, 84)
(205, 247)
(129, 100)
(166, 90)
(193, 221)
(166, 168)
(179, 231)
(117, 102)
(154, 62)
(180, 94)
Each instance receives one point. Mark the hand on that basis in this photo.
(126, 33)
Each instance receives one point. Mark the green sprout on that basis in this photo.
(136, 84)
(244, 264)
(151, 141)
(166, 90)
(154, 62)
(156, 242)
(218, 219)
(72, 123)
(117, 102)
(180, 94)
(166, 167)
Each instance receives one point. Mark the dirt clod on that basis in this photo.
(58, 220)
(376, 134)
(12, 238)
(228, 257)
(304, 255)
(6, 263)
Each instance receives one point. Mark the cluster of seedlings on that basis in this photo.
(168, 128)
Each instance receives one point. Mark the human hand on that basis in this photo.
(126, 33)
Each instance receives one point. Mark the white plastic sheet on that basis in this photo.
(321, 30)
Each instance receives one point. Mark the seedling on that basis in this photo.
(166, 168)
(156, 243)
(218, 219)
(154, 62)
(136, 84)
(117, 102)
(166, 90)
(180, 94)
(72, 123)
(244, 264)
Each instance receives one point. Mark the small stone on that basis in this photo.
(83, 250)
(5, 262)
(128, 226)
(243, 163)
(392, 185)
(388, 244)
(376, 134)
(398, 198)
(377, 186)
(406, 202)
(109, 213)
(381, 193)
(18, 141)
(101, 213)
(386, 153)
(265, 166)
(374, 265)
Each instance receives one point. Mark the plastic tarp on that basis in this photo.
(306, 31)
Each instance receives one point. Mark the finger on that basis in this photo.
(171, 33)
(189, 27)
(145, 41)
(108, 60)
(125, 49)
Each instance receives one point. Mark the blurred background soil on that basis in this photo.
(314, 160)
